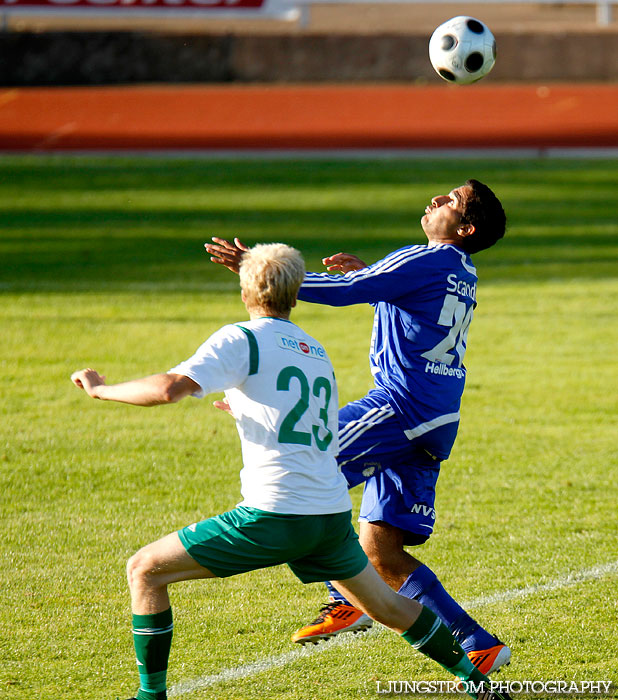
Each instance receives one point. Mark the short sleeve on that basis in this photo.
(220, 363)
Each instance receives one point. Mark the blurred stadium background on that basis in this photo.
(267, 63)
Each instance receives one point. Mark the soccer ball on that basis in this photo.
(462, 50)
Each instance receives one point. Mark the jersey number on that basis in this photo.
(455, 316)
(287, 434)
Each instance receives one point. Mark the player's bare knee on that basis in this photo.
(132, 571)
(140, 568)
(389, 568)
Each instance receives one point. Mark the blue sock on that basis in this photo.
(335, 595)
(423, 585)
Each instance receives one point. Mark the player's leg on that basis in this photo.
(383, 545)
(235, 542)
(397, 511)
(149, 572)
(337, 555)
(154, 567)
(417, 624)
(399, 491)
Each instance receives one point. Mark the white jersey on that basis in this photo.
(281, 388)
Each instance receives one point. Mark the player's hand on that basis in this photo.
(225, 253)
(88, 380)
(223, 406)
(343, 262)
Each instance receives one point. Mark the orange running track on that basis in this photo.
(308, 117)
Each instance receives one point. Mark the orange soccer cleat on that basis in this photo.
(334, 618)
(491, 660)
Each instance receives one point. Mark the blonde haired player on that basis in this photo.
(281, 390)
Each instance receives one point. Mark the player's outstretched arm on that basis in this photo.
(225, 253)
(343, 262)
(149, 391)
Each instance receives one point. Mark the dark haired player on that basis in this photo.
(395, 438)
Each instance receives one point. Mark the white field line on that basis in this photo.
(269, 662)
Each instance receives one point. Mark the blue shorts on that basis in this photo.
(400, 476)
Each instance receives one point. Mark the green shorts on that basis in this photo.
(315, 547)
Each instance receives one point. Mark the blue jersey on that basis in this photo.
(424, 299)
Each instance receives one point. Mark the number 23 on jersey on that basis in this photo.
(293, 379)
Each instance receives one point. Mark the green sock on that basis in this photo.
(432, 638)
(152, 636)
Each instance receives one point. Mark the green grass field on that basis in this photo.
(103, 266)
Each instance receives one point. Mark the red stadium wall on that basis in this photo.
(308, 117)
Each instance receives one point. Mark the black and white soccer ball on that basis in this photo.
(462, 50)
